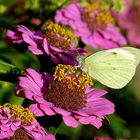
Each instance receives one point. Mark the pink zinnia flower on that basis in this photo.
(93, 24)
(57, 42)
(17, 122)
(67, 93)
(130, 22)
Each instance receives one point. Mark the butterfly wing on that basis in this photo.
(135, 52)
(113, 68)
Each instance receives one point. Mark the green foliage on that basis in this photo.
(7, 94)
(117, 5)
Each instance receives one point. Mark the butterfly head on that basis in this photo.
(80, 60)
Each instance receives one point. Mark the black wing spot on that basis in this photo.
(114, 53)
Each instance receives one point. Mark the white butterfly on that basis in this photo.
(113, 68)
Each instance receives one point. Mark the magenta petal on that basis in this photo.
(14, 37)
(41, 100)
(78, 113)
(13, 127)
(72, 12)
(97, 123)
(92, 94)
(59, 18)
(70, 121)
(34, 76)
(3, 135)
(47, 110)
(17, 123)
(86, 120)
(31, 88)
(36, 134)
(36, 110)
(46, 47)
(23, 29)
(34, 50)
(6, 123)
(27, 84)
(29, 40)
(93, 120)
(33, 46)
(29, 127)
(3, 128)
(33, 83)
(10, 33)
(49, 137)
(99, 107)
(55, 59)
(28, 94)
(113, 34)
(10, 132)
(61, 111)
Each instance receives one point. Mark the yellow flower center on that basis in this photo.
(96, 16)
(80, 80)
(19, 113)
(58, 36)
(67, 89)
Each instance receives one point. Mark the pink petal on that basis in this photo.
(35, 50)
(61, 111)
(45, 46)
(86, 120)
(72, 12)
(49, 137)
(25, 83)
(99, 107)
(92, 94)
(47, 110)
(34, 76)
(70, 121)
(97, 123)
(90, 120)
(36, 110)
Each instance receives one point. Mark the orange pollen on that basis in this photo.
(19, 113)
(96, 17)
(73, 74)
(58, 36)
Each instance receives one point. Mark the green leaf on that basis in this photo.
(9, 72)
(7, 94)
(21, 60)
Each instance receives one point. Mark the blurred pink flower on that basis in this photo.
(94, 25)
(65, 94)
(130, 22)
(103, 138)
(17, 122)
(60, 48)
